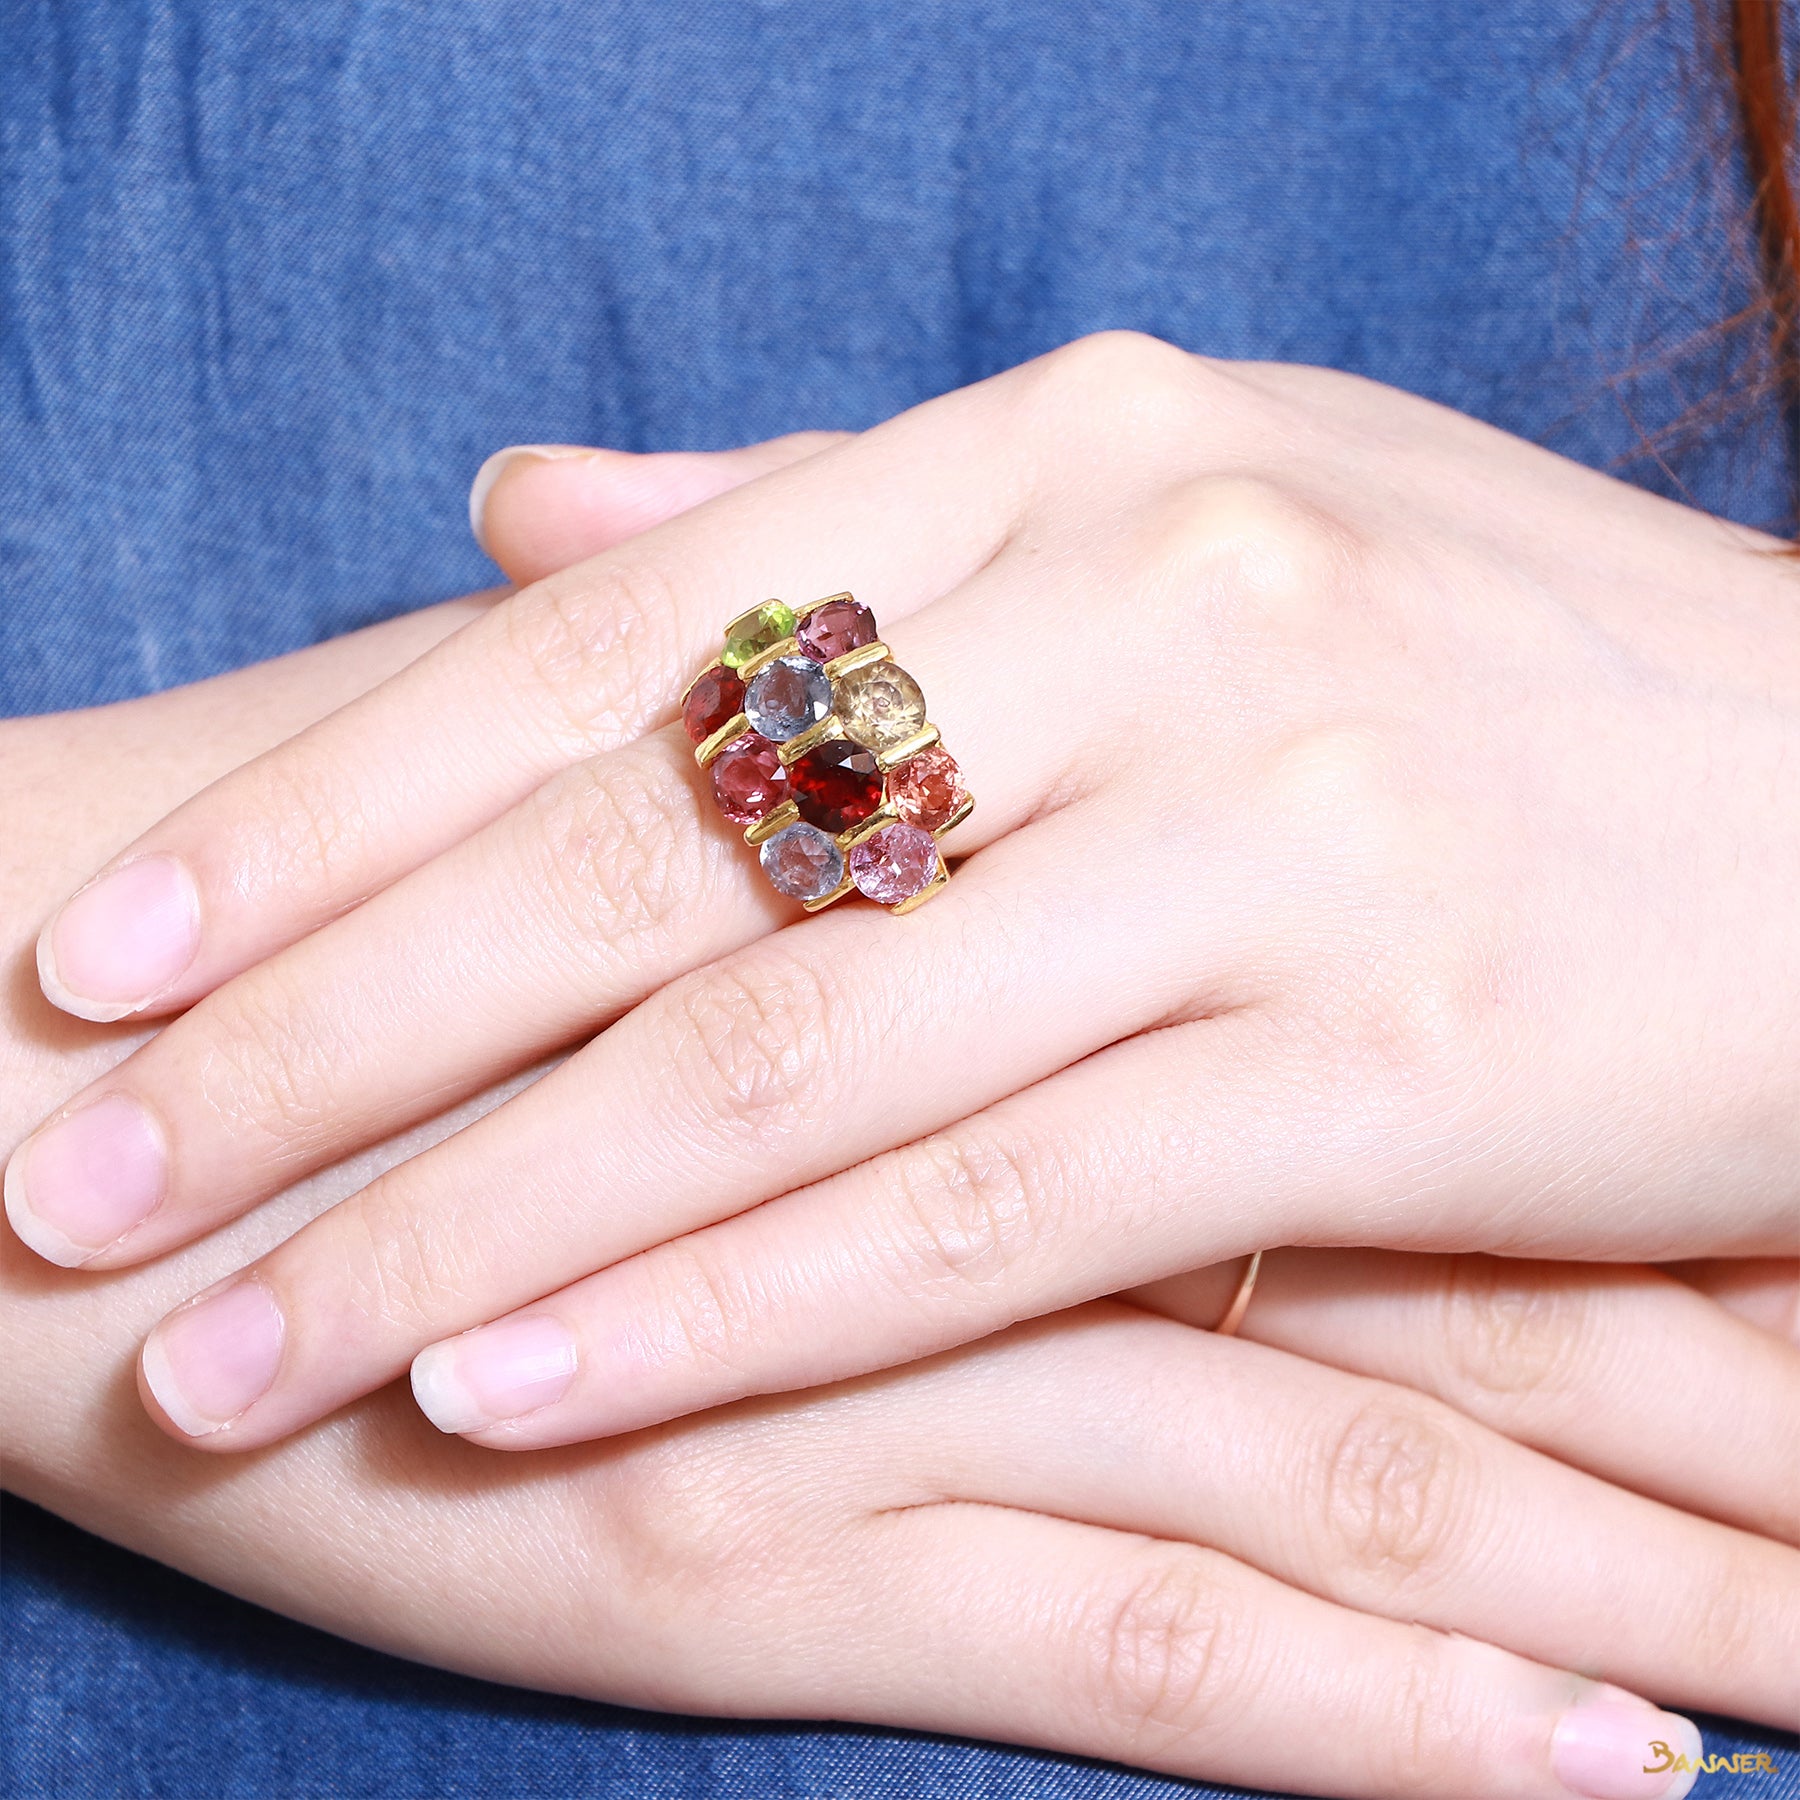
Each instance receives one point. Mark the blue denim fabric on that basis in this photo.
(277, 277)
(124, 1679)
(274, 278)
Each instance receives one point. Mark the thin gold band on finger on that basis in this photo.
(818, 746)
(1240, 1301)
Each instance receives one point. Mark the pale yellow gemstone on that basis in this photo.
(880, 705)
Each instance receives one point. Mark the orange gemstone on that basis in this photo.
(928, 788)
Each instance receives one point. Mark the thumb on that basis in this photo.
(535, 508)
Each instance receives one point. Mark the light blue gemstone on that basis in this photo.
(802, 862)
(787, 697)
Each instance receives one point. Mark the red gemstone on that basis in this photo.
(896, 863)
(716, 697)
(928, 788)
(748, 779)
(835, 629)
(836, 785)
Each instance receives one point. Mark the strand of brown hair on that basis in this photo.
(1766, 103)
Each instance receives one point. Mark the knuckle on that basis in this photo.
(397, 1272)
(691, 1520)
(266, 1058)
(1394, 1495)
(699, 1313)
(1159, 1650)
(1420, 1749)
(1733, 1629)
(752, 1044)
(317, 846)
(618, 839)
(1515, 1332)
(1259, 554)
(1338, 789)
(1408, 993)
(594, 646)
(1333, 773)
(1117, 361)
(1126, 384)
(971, 1208)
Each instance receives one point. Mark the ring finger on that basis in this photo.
(1367, 1494)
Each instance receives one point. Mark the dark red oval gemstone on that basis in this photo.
(716, 697)
(836, 785)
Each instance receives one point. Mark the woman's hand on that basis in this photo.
(1108, 1532)
(1386, 835)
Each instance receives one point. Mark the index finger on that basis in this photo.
(579, 663)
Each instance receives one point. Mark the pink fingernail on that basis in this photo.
(82, 1183)
(121, 942)
(499, 1372)
(490, 471)
(1607, 1749)
(216, 1357)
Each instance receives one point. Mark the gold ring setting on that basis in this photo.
(818, 746)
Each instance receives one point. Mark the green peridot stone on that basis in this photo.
(751, 633)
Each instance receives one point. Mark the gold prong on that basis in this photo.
(860, 658)
(786, 814)
(881, 817)
(957, 817)
(805, 607)
(762, 659)
(846, 886)
(934, 885)
(829, 727)
(894, 756)
(710, 747)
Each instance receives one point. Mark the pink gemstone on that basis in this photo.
(748, 779)
(835, 629)
(928, 788)
(894, 864)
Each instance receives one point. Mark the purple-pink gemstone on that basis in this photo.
(896, 863)
(748, 779)
(835, 629)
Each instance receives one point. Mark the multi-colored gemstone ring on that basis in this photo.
(818, 746)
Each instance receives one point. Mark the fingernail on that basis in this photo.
(470, 1382)
(491, 470)
(79, 1185)
(214, 1358)
(121, 941)
(1609, 1749)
